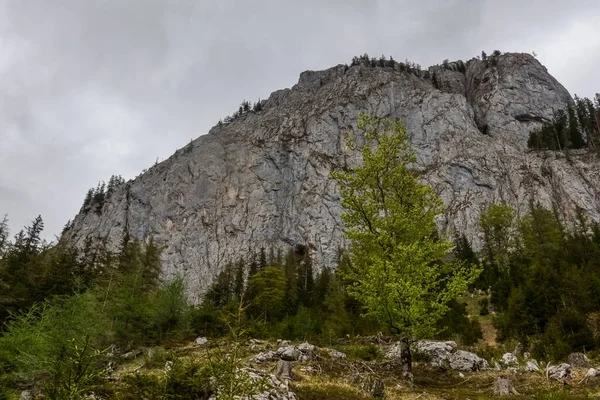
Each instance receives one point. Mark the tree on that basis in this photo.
(269, 286)
(396, 273)
(3, 234)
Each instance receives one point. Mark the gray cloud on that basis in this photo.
(101, 87)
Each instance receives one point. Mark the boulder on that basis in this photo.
(336, 354)
(560, 372)
(289, 353)
(283, 343)
(132, 354)
(200, 341)
(503, 387)
(466, 361)
(439, 353)
(578, 360)
(264, 357)
(26, 395)
(532, 366)
(591, 373)
(510, 360)
(284, 370)
(308, 351)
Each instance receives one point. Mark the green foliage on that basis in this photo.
(544, 280)
(183, 379)
(75, 371)
(330, 391)
(484, 306)
(457, 326)
(269, 285)
(35, 340)
(80, 302)
(575, 127)
(364, 352)
(397, 271)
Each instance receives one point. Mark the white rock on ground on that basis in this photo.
(466, 361)
(560, 372)
(266, 356)
(532, 366)
(289, 353)
(438, 352)
(336, 354)
(200, 341)
(510, 360)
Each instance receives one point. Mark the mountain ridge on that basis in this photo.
(263, 178)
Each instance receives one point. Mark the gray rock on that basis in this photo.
(266, 356)
(532, 366)
(200, 341)
(560, 372)
(264, 179)
(289, 353)
(503, 387)
(338, 355)
(26, 395)
(578, 360)
(283, 343)
(466, 361)
(132, 354)
(439, 353)
(591, 373)
(510, 360)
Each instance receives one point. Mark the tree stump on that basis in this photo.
(504, 386)
(284, 370)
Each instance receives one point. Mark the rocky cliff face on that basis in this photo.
(263, 179)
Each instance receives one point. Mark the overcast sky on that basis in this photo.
(91, 88)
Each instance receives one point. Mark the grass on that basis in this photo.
(327, 378)
(486, 321)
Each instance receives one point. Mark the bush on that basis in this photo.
(75, 372)
(484, 306)
(365, 352)
(182, 380)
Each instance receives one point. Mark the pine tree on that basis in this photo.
(89, 198)
(574, 131)
(263, 258)
(238, 284)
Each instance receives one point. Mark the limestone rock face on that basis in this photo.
(264, 178)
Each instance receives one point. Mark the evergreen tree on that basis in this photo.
(305, 279)
(4, 231)
(574, 133)
(238, 284)
(263, 258)
(269, 285)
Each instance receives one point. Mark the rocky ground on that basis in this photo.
(366, 368)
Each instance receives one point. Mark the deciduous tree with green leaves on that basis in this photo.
(397, 270)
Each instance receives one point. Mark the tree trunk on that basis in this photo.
(405, 361)
(284, 370)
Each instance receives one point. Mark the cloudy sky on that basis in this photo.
(91, 88)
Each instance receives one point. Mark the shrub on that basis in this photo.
(483, 306)
(365, 352)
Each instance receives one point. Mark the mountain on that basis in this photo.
(262, 178)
